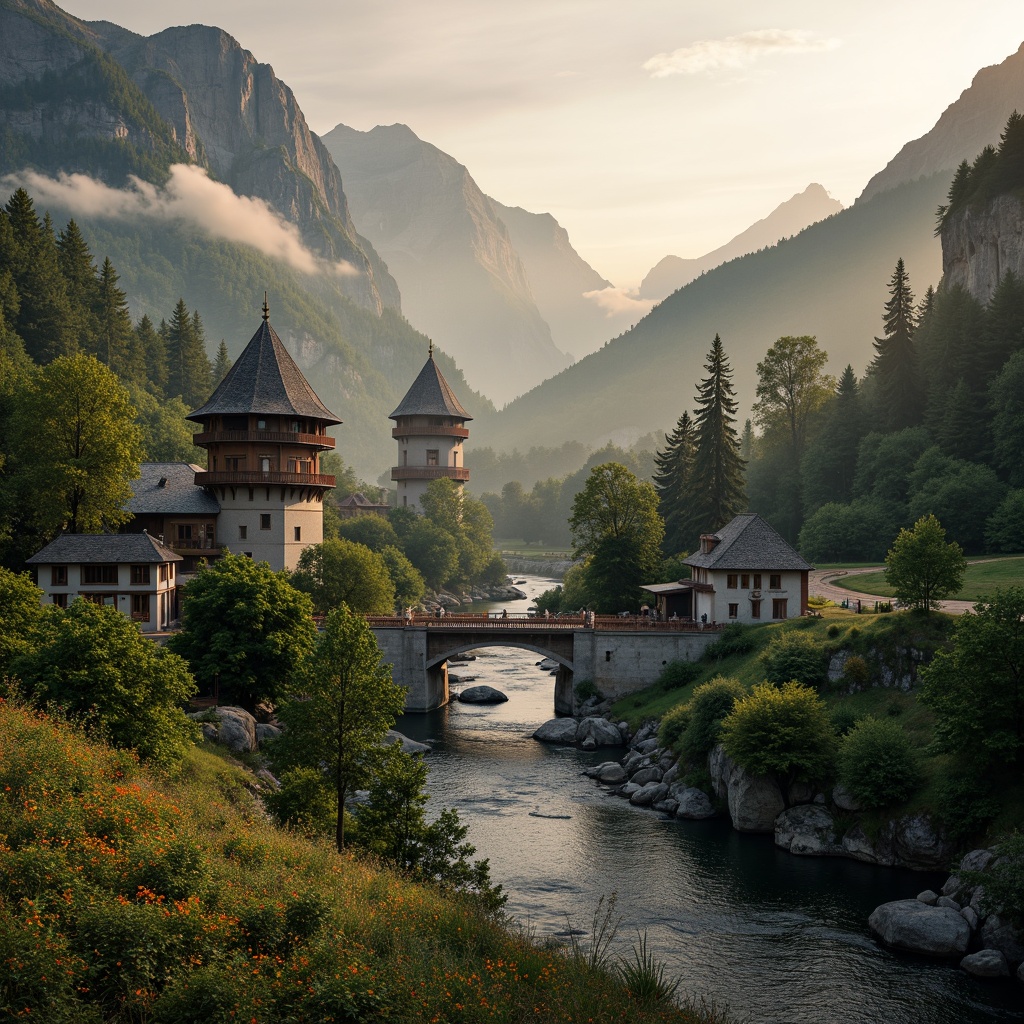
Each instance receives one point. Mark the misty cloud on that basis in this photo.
(619, 302)
(189, 196)
(734, 52)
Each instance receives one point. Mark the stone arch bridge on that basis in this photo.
(619, 656)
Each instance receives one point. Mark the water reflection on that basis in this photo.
(782, 939)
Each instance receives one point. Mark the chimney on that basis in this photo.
(708, 541)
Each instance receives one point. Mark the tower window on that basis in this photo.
(243, 532)
(432, 454)
(298, 533)
(264, 520)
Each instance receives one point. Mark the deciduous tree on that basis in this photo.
(338, 572)
(921, 567)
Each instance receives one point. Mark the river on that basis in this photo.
(779, 939)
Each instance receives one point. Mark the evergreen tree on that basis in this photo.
(1004, 323)
(79, 271)
(716, 492)
(899, 392)
(188, 367)
(671, 481)
(747, 441)
(154, 350)
(118, 346)
(221, 364)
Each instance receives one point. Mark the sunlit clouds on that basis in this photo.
(735, 52)
(189, 197)
(619, 302)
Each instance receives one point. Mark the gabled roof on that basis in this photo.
(430, 395)
(748, 542)
(168, 489)
(360, 500)
(265, 379)
(83, 548)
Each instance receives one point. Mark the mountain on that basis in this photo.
(97, 99)
(559, 278)
(830, 281)
(462, 280)
(789, 218)
(973, 121)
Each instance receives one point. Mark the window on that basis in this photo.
(234, 463)
(106, 599)
(184, 532)
(264, 520)
(730, 581)
(405, 500)
(779, 608)
(261, 424)
(58, 576)
(101, 574)
(755, 609)
(298, 533)
(745, 581)
(432, 454)
(60, 600)
(243, 533)
(265, 463)
(734, 611)
(296, 427)
(248, 554)
(757, 581)
(166, 572)
(140, 575)
(140, 607)
(250, 494)
(775, 581)
(405, 456)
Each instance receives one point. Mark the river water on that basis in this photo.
(779, 939)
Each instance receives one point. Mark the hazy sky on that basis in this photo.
(646, 128)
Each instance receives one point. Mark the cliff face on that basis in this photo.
(462, 281)
(981, 246)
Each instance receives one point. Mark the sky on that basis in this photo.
(650, 128)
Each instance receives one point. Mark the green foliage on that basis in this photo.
(673, 725)
(338, 572)
(337, 712)
(305, 801)
(976, 688)
(1003, 882)
(847, 533)
(93, 663)
(677, 674)
(247, 624)
(921, 567)
(1006, 395)
(736, 638)
(374, 531)
(644, 977)
(782, 731)
(1004, 530)
(877, 763)
(794, 655)
(20, 611)
(709, 706)
(408, 582)
(672, 482)
(899, 396)
(855, 672)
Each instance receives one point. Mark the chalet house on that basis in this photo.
(133, 572)
(743, 573)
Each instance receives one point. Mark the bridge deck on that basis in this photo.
(538, 624)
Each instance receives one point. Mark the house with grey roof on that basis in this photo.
(430, 427)
(132, 572)
(745, 572)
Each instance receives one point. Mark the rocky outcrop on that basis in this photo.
(808, 830)
(980, 246)
(232, 727)
(917, 928)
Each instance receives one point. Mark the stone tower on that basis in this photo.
(430, 426)
(264, 429)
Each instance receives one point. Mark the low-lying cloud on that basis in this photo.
(735, 52)
(619, 302)
(189, 196)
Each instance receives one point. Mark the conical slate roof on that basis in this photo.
(430, 395)
(266, 380)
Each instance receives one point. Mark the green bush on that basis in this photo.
(736, 638)
(855, 672)
(673, 724)
(585, 689)
(1004, 880)
(877, 763)
(833, 631)
(843, 720)
(792, 655)
(708, 706)
(677, 674)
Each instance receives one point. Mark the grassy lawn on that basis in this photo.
(981, 580)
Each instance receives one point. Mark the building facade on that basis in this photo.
(430, 427)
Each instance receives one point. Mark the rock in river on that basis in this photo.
(560, 731)
(917, 928)
(482, 695)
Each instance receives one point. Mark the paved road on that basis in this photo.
(822, 583)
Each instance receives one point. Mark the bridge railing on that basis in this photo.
(481, 620)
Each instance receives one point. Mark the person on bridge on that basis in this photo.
(504, 613)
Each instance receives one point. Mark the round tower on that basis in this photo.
(264, 429)
(430, 426)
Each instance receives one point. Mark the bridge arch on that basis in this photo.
(464, 648)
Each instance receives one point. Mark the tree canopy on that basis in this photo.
(921, 567)
(338, 572)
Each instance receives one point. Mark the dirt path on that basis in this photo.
(822, 583)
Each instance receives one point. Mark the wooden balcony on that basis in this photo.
(258, 477)
(206, 437)
(418, 431)
(426, 473)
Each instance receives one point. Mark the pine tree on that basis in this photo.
(117, 344)
(221, 364)
(671, 480)
(716, 491)
(188, 367)
(899, 387)
(154, 350)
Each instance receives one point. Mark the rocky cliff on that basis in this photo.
(462, 281)
(966, 126)
(982, 245)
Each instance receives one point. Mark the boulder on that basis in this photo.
(977, 860)
(649, 794)
(560, 731)
(482, 695)
(237, 729)
(755, 801)
(1020, 974)
(624, 732)
(265, 731)
(268, 778)
(970, 915)
(209, 732)
(996, 933)
(929, 897)
(808, 830)
(800, 793)
(666, 806)
(720, 765)
(916, 928)
(919, 845)
(634, 762)
(694, 804)
(671, 774)
(645, 732)
(589, 743)
(600, 730)
(628, 790)
(845, 800)
(946, 901)
(408, 746)
(645, 775)
(646, 746)
(858, 846)
(986, 963)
